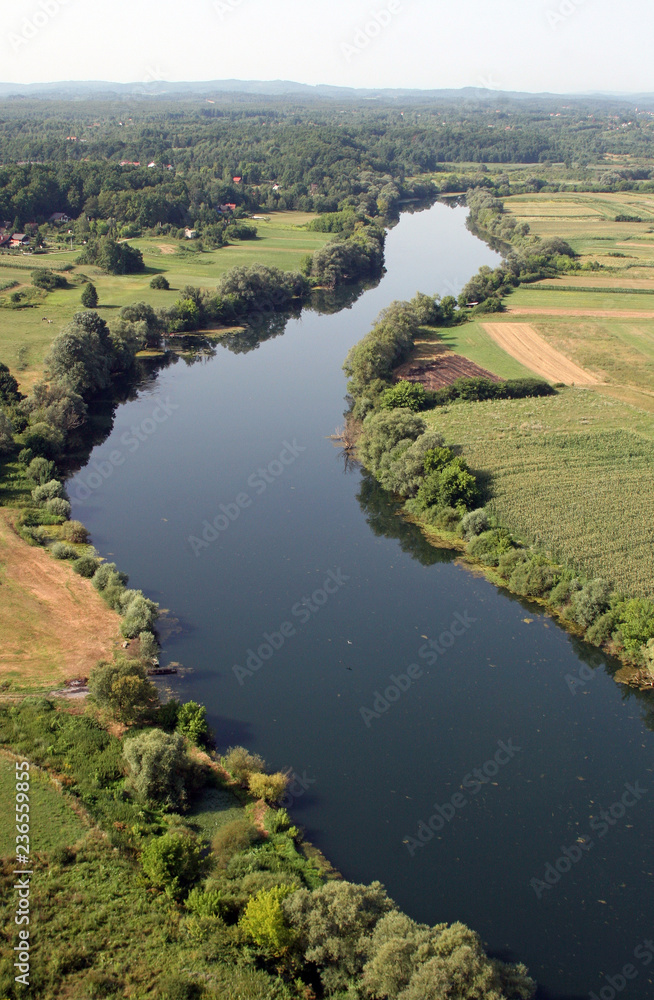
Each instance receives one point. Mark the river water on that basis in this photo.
(318, 564)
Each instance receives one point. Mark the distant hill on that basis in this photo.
(157, 89)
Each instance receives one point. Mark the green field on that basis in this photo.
(473, 342)
(573, 473)
(25, 337)
(53, 823)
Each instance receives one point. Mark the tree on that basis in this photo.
(159, 281)
(82, 356)
(334, 925)
(264, 921)
(90, 296)
(636, 626)
(404, 395)
(241, 763)
(123, 687)
(173, 862)
(383, 431)
(192, 722)
(8, 386)
(159, 767)
(139, 614)
(6, 434)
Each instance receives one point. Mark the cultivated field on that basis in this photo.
(25, 335)
(521, 341)
(573, 473)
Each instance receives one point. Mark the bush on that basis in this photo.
(205, 902)
(264, 921)
(178, 987)
(159, 281)
(48, 280)
(232, 839)
(122, 686)
(148, 645)
(173, 862)
(59, 508)
(636, 623)
(269, 787)
(74, 531)
(404, 395)
(108, 575)
(603, 628)
(192, 722)
(86, 566)
(140, 614)
(241, 763)
(589, 603)
(490, 545)
(62, 551)
(401, 470)
(49, 491)
(383, 431)
(159, 767)
(532, 577)
(41, 471)
(474, 523)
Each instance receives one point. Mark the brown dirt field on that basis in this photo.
(167, 248)
(523, 343)
(563, 311)
(53, 624)
(442, 368)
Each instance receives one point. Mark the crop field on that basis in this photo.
(572, 473)
(26, 334)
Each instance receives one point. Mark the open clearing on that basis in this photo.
(443, 370)
(53, 624)
(54, 822)
(522, 342)
(567, 311)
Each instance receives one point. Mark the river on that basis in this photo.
(503, 676)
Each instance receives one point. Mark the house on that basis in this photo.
(58, 217)
(150, 165)
(191, 234)
(276, 187)
(5, 240)
(229, 207)
(237, 180)
(19, 240)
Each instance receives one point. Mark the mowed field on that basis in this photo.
(572, 473)
(25, 334)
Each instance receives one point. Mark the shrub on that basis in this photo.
(107, 575)
(474, 523)
(25, 456)
(406, 395)
(159, 281)
(589, 603)
(264, 921)
(491, 545)
(603, 628)
(41, 471)
(148, 646)
(74, 531)
(402, 469)
(532, 578)
(383, 431)
(86, 566)
(205, 902)
(140, 614)
(48, 491)
(636, 623)
(48, 280)
(62, 551)
(59, 508)
(192, 722)
(158, 767)
(173, 862)
(232, 839)
(269, 787)
(123, 687)
(241, 763)
(565, 588)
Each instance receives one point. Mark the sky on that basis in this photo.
(561, 46)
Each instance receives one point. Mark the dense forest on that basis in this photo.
(155, 161)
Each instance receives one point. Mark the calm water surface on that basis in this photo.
(369, 787)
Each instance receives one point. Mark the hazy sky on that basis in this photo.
(533, 45)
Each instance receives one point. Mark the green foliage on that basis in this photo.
(139, 614)
(383, 431)
(264, 921)
(269, 787)
(589, 603)
(122, 686)
(173, 862)
(532, 577)
(454, 486)
(401, 470)
(241, 763)
(86, 566)
(192, 722)
(404, 395)
(108, 575)
(6, 434)
(62, 551)
(74, 531)
(474, 523)
(49, 280)
(491, 545)
(160, 282)
(48, 491)
(159, 768)
(83, 356)
(635, 623)
(112, 257)
(8, 386)
(41, 471)
(90, 296)
(233, 838)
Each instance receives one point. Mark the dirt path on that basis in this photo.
(564, 311)
(53, 624)
(523, 343)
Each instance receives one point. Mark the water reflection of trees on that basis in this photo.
(382, 513)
